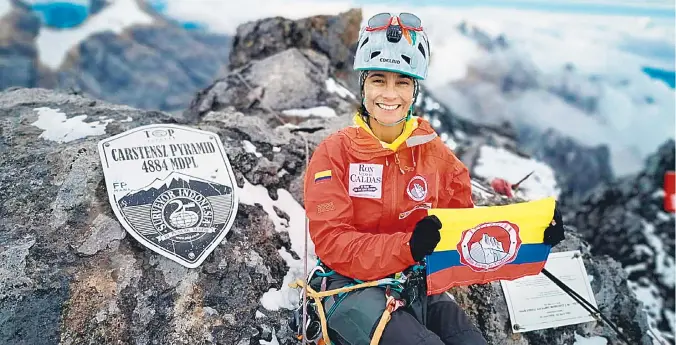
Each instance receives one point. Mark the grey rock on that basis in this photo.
(481, 37)
(97, 6)
(625, 220)
(106, 233)
(78, 183)
(581, 92)
(297, 89)
(18, 53)
(333, 36)
(155, 68)
(41, 310)
(291, 79)
(13, 277)
(118, 291)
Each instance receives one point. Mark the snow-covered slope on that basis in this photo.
(54, 44)
(501, 163)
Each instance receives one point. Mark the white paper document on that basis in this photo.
(535, 302)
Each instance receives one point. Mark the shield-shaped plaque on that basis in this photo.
(172, 188)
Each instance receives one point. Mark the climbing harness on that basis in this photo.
(312, 328)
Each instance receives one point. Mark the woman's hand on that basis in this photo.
(554, 232)
(425, 237)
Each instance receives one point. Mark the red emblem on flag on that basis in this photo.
(670, 191)
(489, 246)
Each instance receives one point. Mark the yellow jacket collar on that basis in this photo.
(409, 127)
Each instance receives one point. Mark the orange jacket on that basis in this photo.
(363, 197)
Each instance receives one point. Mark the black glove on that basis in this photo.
(425, 237)
(554, 232)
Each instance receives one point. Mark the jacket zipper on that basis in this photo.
(394, 190)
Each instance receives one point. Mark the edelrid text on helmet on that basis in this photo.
(390, 60)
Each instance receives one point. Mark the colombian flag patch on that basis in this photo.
(323, 176)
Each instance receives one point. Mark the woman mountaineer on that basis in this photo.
(367, 189)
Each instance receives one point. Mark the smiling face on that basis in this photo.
(388, 95)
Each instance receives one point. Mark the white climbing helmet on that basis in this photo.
(393, 43)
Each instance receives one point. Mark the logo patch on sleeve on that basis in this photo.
(325, 207)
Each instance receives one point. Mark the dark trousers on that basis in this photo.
(355, 316)
(447, 324)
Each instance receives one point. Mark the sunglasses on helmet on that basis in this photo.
(407, 21)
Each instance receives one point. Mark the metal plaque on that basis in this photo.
(172, 188)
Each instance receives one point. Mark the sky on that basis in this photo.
(649, 8)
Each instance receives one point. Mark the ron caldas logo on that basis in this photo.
(172, 188)
(489, 246)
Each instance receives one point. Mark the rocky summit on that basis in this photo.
(332, 36)
(72, 275)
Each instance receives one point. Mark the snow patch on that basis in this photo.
(57, 127)
(251, 148)
(664, 264)
(481, 190)
(580, 340)
(500, 163)
(450, 143)
(333, 87)
(640, 267)
(322, 111)
(285, 297)
(647, 293)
